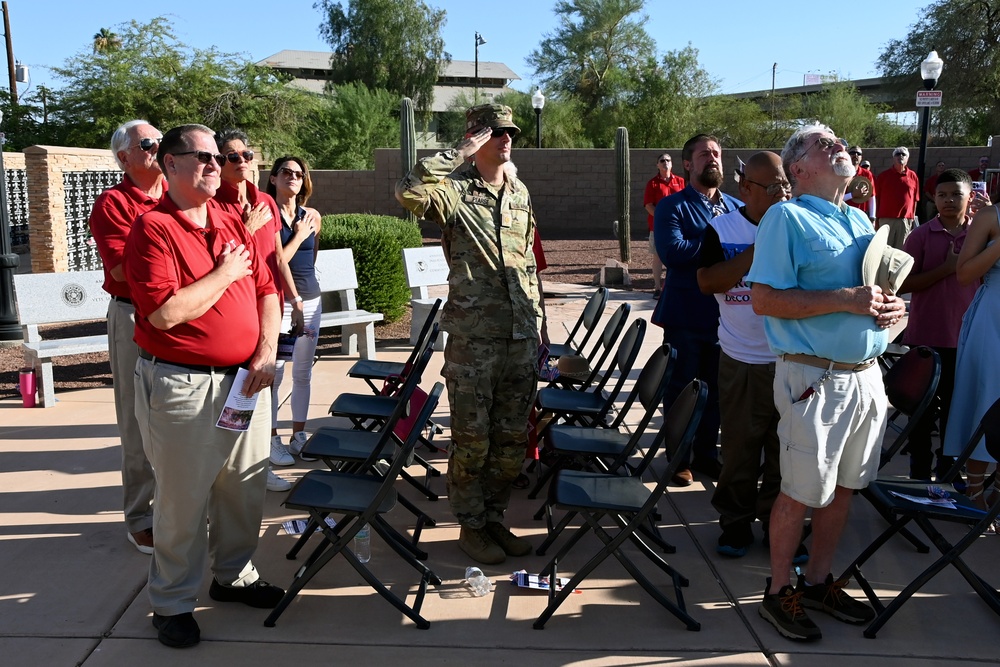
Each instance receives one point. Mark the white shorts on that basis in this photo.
(833, 437)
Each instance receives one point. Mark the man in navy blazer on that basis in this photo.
(690, 319)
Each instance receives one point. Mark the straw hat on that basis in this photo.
(884, 265)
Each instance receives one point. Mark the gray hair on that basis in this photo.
(223, 137)
(121, 141)
(796, 146)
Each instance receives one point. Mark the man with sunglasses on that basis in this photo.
(866, 207)
(206, 309)
(826, 329)
(749, 419)
(899, 191)
(663, 184)
(134, 146)
(493, 316)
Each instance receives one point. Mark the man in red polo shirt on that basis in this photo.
(664, 183)
(867, 207)
(206, 306)
(134, 146)
(898, 194)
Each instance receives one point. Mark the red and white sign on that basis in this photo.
(928, 98)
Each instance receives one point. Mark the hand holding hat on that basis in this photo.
(884, 265)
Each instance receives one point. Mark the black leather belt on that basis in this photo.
(122, 299)
(226, 370)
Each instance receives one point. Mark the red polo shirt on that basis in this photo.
(871, 177)
(165, 252)
(658, 188)
(898, 193)
(228, 196)
(110, 221)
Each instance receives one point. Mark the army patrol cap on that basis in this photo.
(489, 115)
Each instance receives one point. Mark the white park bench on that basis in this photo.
(336, 275)
(424, 267)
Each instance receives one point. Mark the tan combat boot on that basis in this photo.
(511, 544)
(476, 543)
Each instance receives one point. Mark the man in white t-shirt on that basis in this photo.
(746, 364)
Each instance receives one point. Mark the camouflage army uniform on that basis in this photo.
(492, 316)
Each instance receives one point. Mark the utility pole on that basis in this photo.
(774, 120)
(10, 54)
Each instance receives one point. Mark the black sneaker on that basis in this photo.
(179, 631)
(259, 594)
(784, 611)
(831, 598)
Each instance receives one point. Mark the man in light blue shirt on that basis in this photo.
(826, 329)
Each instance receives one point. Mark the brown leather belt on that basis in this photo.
(820, 362)
(226, 370)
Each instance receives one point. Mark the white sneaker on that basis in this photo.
(296, 444)
(275, 483)
(279, 453)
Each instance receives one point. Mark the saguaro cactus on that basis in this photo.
(407, 141)
(623, 182)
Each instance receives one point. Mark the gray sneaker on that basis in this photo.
(295, 445)
(831, 598)
(784, 611)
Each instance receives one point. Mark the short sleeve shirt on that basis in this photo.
(657, 188)
(808, 243)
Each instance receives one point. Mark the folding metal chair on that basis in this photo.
(588, 320)
(375, 372)
(627, 502)
(361, 499)
(599, 353)
(891, 497)
(591, 407)
(349, 450)
(608, 449)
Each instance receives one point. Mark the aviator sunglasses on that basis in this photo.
(149, 142)
(235, 156)
(205, 157)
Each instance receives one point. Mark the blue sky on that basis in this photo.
(738, 42)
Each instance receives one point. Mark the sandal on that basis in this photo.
(974, 491)
(521, 481)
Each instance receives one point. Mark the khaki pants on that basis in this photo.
(899, 229)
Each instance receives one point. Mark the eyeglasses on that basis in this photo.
(235, 156)
(826, 143)
(667, 160)
(773, 189)
(149, 142)
(291, 173)
(900, 154)
(205, 157)
(858, 153)
(500, 131)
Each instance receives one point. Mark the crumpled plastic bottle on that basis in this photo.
(478, 582)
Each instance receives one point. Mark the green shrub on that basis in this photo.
(377, 242)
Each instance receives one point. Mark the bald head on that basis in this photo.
(763, 184)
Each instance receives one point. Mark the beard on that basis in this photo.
(845, 169)
(710, 178)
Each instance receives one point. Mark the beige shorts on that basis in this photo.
(832, 438)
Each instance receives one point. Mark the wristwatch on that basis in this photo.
(296, 299)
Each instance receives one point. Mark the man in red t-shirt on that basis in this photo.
(134, 146)
(868, 207)
(899, 192)
(206, 308)
(664, 183)
(979, 174)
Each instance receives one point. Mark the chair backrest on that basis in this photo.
(649, 389)
(402, 408)
(606, 343)
(675, 437)
(624, 360)
(589, 318)
(989, 426)
(910, 385)
(425, 331)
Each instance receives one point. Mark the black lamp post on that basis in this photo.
(930, 72)
(538, 101)
(479, 42)
(10, 330)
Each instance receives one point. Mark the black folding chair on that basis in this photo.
(627, 502)
(599, 354)
(588, 320)
(608, 449)
(349, 450)
(591, 407)
(361, 499)
(907, 512)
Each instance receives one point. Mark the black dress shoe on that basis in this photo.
(178, 631)
(710, 468)
(259, 594)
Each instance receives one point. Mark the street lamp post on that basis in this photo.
(479, 42)
(538, 101)
(930, 72)
(9, 327)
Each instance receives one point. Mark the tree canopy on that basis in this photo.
(390, 44)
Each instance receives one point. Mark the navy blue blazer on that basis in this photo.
(678, 227)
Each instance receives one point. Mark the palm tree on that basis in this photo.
(106, 40)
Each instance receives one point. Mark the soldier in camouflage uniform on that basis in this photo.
(493, 317)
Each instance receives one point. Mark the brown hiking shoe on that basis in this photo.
(511, 544)
(476, 543)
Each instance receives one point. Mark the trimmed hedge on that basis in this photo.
(377, 242)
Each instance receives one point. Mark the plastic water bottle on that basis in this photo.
(363, 544)
(478, 582)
